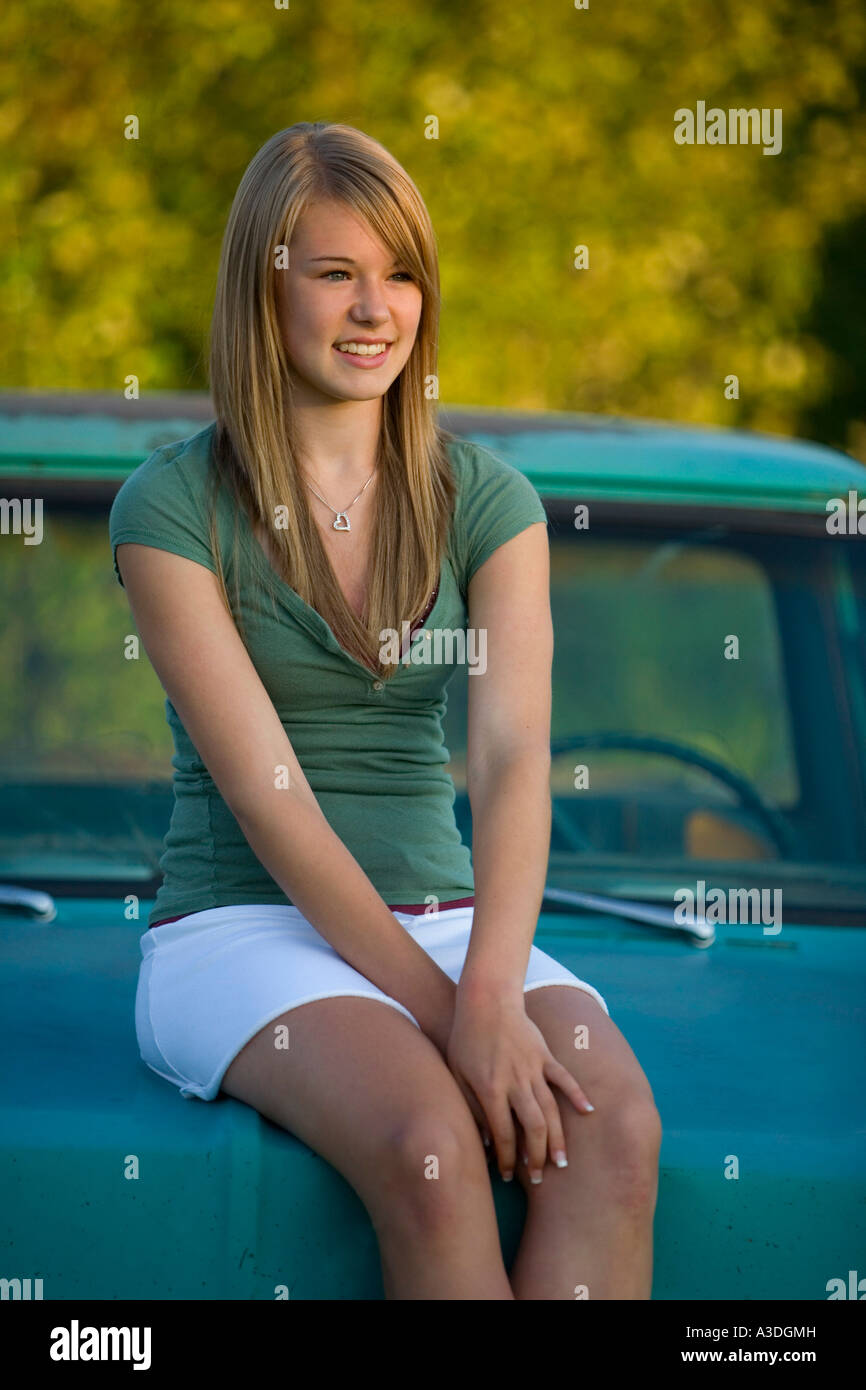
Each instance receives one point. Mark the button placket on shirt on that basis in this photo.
(420, 631)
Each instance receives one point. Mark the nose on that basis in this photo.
(370, 306)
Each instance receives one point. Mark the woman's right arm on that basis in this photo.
(207, 674)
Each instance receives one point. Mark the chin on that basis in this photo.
(363, 391)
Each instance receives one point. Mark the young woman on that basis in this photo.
(322, 947)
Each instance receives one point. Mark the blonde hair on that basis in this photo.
(253, 447)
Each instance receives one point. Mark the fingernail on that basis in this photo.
(560, 1159)
(525, 1159)
(506, 1177)
(588, 1107)
(486, 1141)
(535, 1177)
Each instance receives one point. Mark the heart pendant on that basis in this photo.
(345, 526)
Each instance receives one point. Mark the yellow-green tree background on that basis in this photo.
(555, 129)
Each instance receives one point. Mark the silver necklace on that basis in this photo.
(342, 521)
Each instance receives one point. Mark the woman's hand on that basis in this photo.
(502, 1063)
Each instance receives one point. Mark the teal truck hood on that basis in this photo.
(116, 1187)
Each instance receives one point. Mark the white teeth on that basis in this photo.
(362, 349)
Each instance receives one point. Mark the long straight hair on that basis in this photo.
(254, 451)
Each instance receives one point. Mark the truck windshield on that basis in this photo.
(709, 713)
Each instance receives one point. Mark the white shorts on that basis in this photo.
(210, 981)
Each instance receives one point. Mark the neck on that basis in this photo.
(343, 490)
(338, 446)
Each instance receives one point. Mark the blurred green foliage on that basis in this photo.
(556, 129)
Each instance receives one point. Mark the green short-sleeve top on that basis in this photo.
(372, 751)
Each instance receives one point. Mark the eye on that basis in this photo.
(328, 273)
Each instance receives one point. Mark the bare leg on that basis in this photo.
(589, 1227)
(366, 1089)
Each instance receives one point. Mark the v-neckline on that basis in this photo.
(311, 617)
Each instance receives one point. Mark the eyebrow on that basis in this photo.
(348, 259)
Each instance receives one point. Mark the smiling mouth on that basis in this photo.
(363, 361)
(354, 349)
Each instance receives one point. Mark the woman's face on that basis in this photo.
(343, 287)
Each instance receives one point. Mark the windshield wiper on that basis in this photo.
(699, 931)
(28, 900)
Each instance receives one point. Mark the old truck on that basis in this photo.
(707, 866)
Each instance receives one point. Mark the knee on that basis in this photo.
(431, 1169)
(633, 1136)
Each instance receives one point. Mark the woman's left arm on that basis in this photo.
(494, 1047)
(508, 757)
